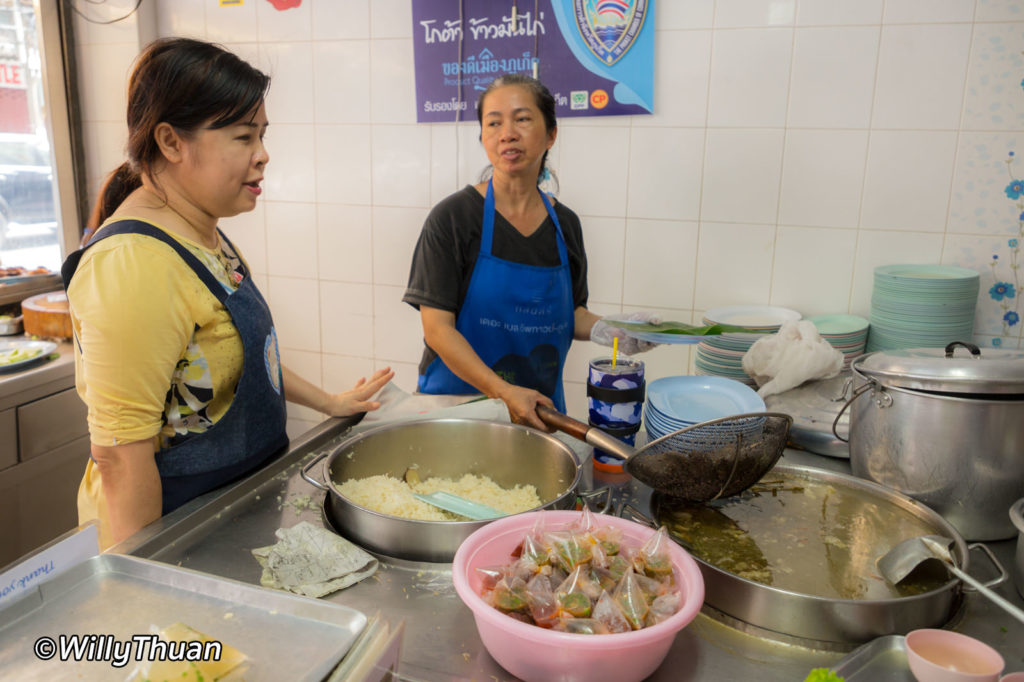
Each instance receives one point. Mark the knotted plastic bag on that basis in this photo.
(795, 354)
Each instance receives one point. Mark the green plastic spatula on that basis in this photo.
(459, 505)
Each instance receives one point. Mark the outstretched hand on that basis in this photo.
(357, 399)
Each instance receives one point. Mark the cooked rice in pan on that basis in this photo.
(393, 496)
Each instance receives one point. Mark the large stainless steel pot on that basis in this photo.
(507, 453)
(1017, 517)
(946, 430)
(841, 621)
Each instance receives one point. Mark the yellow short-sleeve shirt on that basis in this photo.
(156, 353)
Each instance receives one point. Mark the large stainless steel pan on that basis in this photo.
(507, 453)
(840, 621)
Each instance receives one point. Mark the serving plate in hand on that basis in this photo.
(661, 337)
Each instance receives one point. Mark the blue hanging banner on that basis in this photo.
(595, 56)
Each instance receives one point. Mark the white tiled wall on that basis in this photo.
(796, 145)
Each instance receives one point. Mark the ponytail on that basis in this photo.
(116, 188)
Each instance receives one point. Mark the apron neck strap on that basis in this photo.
(487, 234)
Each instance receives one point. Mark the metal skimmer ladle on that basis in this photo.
(901, 560)
(713, 459)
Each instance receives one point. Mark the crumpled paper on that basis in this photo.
(312, 561)
(786, 359)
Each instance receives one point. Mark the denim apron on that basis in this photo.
(252, 430)
(518, 318)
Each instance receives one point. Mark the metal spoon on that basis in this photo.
(901, 560)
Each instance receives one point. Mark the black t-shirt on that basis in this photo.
(442, 264)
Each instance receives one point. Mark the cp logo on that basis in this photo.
(599, 99)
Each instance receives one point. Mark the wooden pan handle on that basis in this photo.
(586, 433)
(562, 422)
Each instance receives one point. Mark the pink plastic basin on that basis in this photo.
(946, 656)
(536, 654)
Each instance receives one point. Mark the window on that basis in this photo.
(39, 217)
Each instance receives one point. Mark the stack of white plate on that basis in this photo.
(675, 403)
(846, 333)
(723, 355)
(922, 306)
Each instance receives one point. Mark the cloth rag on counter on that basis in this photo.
(312, 561)
(788, 358)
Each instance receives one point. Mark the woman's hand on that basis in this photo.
(298, 390)
(358, 398)
(522, 405)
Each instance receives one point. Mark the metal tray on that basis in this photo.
(880, 660)
(17, 289)
(286, 637)
(814, 407)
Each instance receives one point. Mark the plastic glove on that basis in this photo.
(603, 333)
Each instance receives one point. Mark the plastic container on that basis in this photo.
(536, 654)
(946, 656)
(615, 399)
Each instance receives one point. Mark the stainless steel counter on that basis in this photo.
(216, 533)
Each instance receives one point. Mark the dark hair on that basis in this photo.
(542, 97)
(186, 83)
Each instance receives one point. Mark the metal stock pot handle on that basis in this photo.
(856, 394)
(603, 493)
(636, 515)
(951, 348)
(998, 580)
(309, 465)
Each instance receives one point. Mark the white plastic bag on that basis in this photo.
(795, 354)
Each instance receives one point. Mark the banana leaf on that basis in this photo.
(670, 327)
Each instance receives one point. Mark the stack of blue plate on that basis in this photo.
(922, 306)
(848, 334)
(675, 403)
(723, 355)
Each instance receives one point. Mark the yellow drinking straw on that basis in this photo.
(615, 349)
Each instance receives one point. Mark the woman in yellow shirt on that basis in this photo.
(176, 353)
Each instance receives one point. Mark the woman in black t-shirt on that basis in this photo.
(499, 274)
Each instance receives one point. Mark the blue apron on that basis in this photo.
(252, 431)
(518, 318)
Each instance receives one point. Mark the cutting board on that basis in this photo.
(47, 315)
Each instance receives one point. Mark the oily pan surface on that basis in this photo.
(796, 533)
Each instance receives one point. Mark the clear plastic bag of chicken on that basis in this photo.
(608, 613)
(653, 558)
(567, 549)
(541, 601)
(632, 600)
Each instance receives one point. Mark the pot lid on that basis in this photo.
(958, 368)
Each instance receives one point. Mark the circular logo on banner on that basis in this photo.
(272, 359)
(599, 99)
